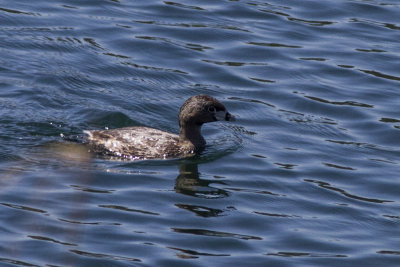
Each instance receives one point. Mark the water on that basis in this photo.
(307, 175)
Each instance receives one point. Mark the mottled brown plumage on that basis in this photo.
(148, 143)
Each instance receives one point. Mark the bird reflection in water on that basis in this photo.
(189, 183)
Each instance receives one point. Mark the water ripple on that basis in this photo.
(43, 238)
(205, 232)
(183, 5)
(193, 254)
(104, 256)
(122, 208)
(306, 254)
(17, 262)
(23, 208)
(326, 185)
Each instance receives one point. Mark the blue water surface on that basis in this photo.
(308, 175)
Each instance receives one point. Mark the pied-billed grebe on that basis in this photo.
(149, 143)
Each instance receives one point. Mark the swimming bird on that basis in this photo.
(148, 143)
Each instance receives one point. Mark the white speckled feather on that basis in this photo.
(137, 143)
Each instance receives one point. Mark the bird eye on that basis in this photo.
(211, 109)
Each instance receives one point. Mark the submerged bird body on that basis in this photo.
(149, 143)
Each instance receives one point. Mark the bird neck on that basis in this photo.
(191, 132)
